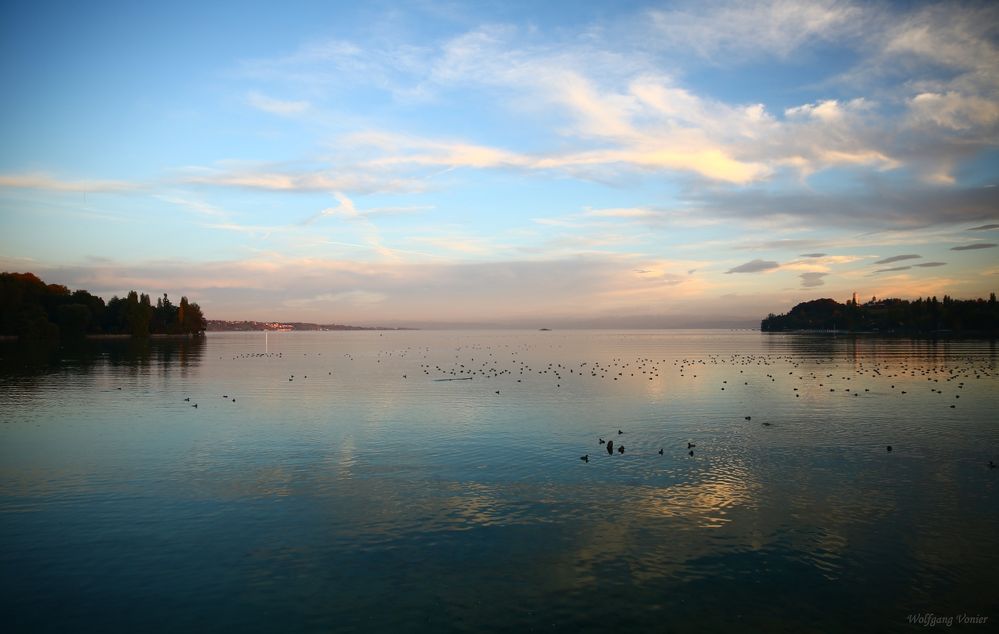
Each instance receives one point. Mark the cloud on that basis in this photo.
(354, 297)
(898, 258)
(626, 212)
(896, 268)
(954, 110)
(988, 227)
(198, 206)
(780, 243)
(276, 106)
(643, 153)
(285, 179)
(43, 181)
(883, 206)
(813, 255)
(754, 266)
(738, 32)
(812, 279)
(956, 37)
(930, 264)
(272, 286)
(976, 245)
(608, 107)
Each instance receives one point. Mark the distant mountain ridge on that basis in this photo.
(225, 325)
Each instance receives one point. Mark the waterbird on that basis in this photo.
(749, 418)
(602, 441)
(195, 405)
(585, 458)
(690, 445)
(660, 451)
(186, 399)
(888, 448)
(620, 449)
(619, 432)
(610, 447)
(690, 453)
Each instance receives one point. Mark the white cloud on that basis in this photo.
(276, 106)
(43, 181)
(307, 179)
(954, 110)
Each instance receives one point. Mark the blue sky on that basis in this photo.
(409, 163)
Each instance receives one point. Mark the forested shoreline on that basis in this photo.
(32, 309)
(920, 316)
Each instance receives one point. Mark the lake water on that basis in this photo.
(330, 482)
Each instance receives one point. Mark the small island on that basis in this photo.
(32, 309)
(971, 317)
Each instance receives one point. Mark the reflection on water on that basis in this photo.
(327, 481)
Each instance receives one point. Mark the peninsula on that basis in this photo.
(971, 317)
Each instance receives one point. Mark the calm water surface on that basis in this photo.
(330, 482)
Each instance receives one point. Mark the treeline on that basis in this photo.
(972, 316)
(32, 309)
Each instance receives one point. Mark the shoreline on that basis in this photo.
(971, 334)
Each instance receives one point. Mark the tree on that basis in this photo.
(73, 320)
(137, 314)
(30, 308)
(190, 318)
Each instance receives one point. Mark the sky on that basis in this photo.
(502, 163)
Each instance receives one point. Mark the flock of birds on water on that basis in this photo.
(489, 367)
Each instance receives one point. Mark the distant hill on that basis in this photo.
(222, 325)
(969, 317)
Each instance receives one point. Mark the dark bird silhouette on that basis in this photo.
(497, 391)
(660, 451)
(619, 432)
(186, 399)
(610, 447)
(749, 418)
(195, 405)
(620, 449)
(602, 441)
(690, 445)
(585, 458)
(889, 448)
(690, 453)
